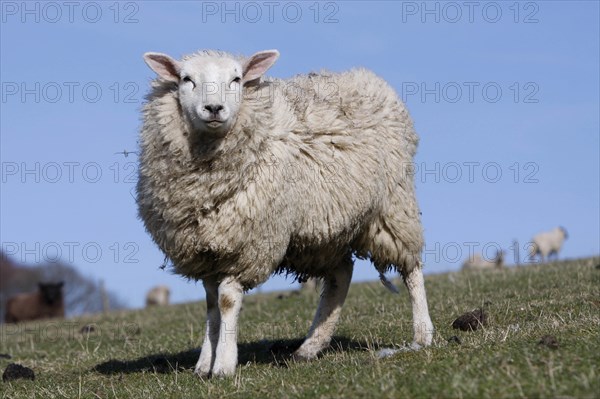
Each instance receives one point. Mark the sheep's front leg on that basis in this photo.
(334, 293)
(422, 325)
(213, 322)
(230, 294)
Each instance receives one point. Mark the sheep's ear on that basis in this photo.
(259, 63)
(164, 66)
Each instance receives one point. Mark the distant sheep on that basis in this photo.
(241, 178)
(548, 243)
(47, 302)
(310, 284)
(158, 295)
(477, 262)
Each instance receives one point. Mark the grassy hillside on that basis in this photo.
(151, 353)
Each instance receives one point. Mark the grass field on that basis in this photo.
(151, 353)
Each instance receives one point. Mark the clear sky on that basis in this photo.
(504, 95)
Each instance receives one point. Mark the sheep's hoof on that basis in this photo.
(203, 375)
(222, 374)
(415, 346)
(302, 356)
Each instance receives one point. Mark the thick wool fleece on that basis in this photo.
(315, 169)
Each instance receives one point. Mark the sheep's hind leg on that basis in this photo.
(422, 325)
(334, 293)
(213, 321)
(230, 298)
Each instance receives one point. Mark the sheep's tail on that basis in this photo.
(388, 284)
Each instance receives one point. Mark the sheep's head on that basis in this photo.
(564, 231)
(51, 292)
(211, 85)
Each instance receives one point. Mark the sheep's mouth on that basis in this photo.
(214, 123)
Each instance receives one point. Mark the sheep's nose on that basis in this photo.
(213, 108)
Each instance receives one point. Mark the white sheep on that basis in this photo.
(241, 178)
(158, 295)
(311, 284)
(547, 243)
(477, 262)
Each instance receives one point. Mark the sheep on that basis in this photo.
(310, 284)
(158, 295)
(242, 177)
(547, 243)
(477, 262)
(47, 302)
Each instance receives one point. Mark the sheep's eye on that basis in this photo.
(188, 79)
(236, 80)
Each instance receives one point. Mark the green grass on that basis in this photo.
(151, 353)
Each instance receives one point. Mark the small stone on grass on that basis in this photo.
(549, 341)
(15, 371)
(470, 321)
(454, 340)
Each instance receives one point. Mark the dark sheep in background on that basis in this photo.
(46, 303)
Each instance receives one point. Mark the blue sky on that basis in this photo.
(504, 95)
